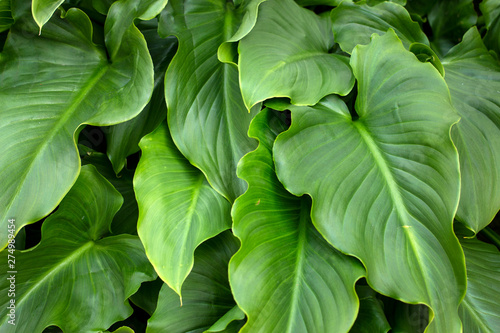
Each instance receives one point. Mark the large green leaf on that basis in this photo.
(206, 293)
(52, 84)
(123, 139)
(178, 209)
(491, 12)
(303, 283)
(6, 19)
(287, 55)
(207, 117)
(473, 77)
(480, 309)
(354, 23)
(449, 20)
(77, 278)
(385, 186)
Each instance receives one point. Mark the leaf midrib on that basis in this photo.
(54, 270)
(299, 264)
(73, 107)
(189, 220)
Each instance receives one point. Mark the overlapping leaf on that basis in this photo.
(479, 310)
(123, 139)
(52, 84)
(491, 12)
(207, 117)
(287, 55)
(371, 317)
(178, 209)
(77, 278)
(385, 187)
(449, 20)
(473, 77)
(206, 295)
(125, 220)
(354, 23)
(304, 284)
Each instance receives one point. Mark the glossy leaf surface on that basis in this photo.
(304, 284)
(207, 117)
(479, 310)
(385, 186)
(287, 55)
(52, 84)
(78, 277)
(473, 77)
(178, 209)
(354, 23)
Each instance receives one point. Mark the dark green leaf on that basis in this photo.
(77, 278)
(206, 295)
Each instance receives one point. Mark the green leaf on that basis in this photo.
(304, 284)
(52, 84)
(6, 19)
(287, 55)
(178, 209)
(419, 7)
(449, 20)
(354, 23)
(226, 321)
(123, 139)
(43, 10)
(246, 13)
(406, 318)
(371, 317)
(206, 114)
(473, 77)
(77, 278)
(376, 2)
(304, 3)
(480, 309)
(491, 12)
(385, 186)
(147, 296)
(125, 220)
(206, 293)
(425, 54)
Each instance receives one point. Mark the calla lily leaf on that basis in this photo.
(473, 76)
(385, 183)
(178, 209)
(304, 284)
(206, 293)
(52, 85)
(287, 55)
(78, 277)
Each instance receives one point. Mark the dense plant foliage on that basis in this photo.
(249, 165)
